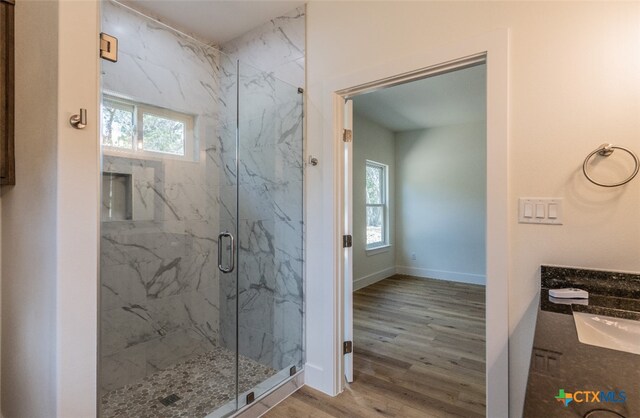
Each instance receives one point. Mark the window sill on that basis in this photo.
(378, 250)
(144, 155)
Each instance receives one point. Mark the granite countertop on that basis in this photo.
(610, 293)
(596, 304)
(598, 282)
(560, 361)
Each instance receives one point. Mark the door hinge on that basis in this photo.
(347, 241)
(347, 135)
(108, 47)
(347, 347)
(250, 397)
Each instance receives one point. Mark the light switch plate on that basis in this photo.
(540, 210)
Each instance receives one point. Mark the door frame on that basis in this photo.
(494, 47)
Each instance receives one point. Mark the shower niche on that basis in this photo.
(117, 199)
(201, 259)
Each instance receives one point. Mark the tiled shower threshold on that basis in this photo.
(203, 384)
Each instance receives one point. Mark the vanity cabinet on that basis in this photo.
(7, 78)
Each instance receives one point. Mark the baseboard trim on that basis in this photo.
(451, 276)
(365, 281)
(317, 378)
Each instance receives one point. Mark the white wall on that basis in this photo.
(371, 141)
(49, 219)
(77, 212)
(441, 202)
(574, 83)
(29, 222)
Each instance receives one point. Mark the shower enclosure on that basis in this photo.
(201, 225)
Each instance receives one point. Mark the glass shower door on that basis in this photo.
(270, 231)
(168, 272)
(201, 252)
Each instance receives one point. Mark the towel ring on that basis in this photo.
(606, 150)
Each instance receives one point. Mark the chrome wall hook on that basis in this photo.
(313, 160)
(79, 121)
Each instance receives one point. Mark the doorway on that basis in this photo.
(399, 72)
(417, 207)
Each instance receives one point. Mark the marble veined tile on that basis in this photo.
(256, 275)
(227, 207)
(123, 367)
(204, 236)
(291, 72)
(155, 85)
(228, 310)
(225, 137)
(257, 91)
(289, 286)
(256, 308)
(287, 198)
(287, 353)
(173, 348)
(256, 237)
(256, 345)
(139, 245)
(120, 286)
(143, 82)
(278, 41)
(255, 203)
(144, 38)
(124, 327)
(261, 131)
(257, 167)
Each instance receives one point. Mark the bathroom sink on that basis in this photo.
(620, 334)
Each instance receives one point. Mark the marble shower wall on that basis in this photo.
(163, 299)
(270, 255)
(277, 47)
(159, 277)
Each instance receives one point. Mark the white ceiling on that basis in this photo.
(447, 99)
(214, 21)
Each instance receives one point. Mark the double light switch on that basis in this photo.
(540, 211)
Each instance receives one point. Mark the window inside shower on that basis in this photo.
(142, 130)
(201, 258)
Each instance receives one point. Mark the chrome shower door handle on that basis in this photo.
(232, 252)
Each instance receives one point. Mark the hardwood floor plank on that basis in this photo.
(362, 353)
(293, 407)
(419, 351)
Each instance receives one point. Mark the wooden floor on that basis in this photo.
(419, 352)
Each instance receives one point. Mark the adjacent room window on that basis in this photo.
(376, 178)
(136, 128)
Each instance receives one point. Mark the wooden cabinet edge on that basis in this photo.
(7, 133)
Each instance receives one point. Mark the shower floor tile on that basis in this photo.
(203, 383)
